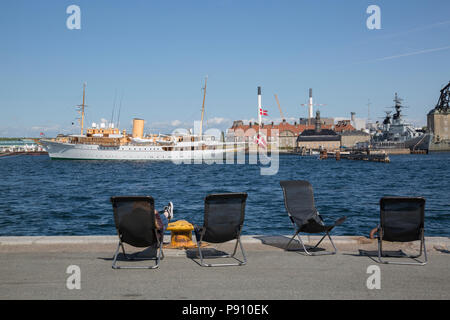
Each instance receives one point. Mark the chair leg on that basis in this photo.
(158, 258)
(317, 244)
(322, 253)
(115, 256)
(418, 263)
(239, 263)
(287, 246)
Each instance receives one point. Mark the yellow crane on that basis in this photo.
(279, 108)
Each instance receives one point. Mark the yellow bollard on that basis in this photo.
(180, 235)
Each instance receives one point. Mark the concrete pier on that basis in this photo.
(36, 268)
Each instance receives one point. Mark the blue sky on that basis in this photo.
(156, 54)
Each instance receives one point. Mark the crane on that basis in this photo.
(279, 108)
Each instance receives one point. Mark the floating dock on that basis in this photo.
(376, 156)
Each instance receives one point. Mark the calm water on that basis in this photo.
(39, 196)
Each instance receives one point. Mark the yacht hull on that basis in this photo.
(68, 151)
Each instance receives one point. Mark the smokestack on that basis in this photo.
(259, 99)
(352, 117)
(310, 109)
(138, 128)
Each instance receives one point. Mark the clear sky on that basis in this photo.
(154, 56)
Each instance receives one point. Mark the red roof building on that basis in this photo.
(343, 126)
(287, 132)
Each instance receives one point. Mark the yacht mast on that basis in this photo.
(203, 108)
(82, 110)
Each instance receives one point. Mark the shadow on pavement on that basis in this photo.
(193, 254)
(282, 241)
(146, 254)
(442, 250)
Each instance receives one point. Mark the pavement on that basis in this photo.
(39, 268)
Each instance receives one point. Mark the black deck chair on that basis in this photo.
(223, 221)
(299, 203)
(134, 217)
(402, 220)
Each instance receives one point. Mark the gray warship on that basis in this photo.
(395, 132)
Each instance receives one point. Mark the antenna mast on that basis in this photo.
(310, 106)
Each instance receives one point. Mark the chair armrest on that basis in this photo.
(198, 232)
(318, 214)
(340, 221)
(197, 228)
(292, 219)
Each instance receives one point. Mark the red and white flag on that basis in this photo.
(263, 112)
(261, 141)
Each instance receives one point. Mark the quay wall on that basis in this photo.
(443, 146)
(254, 242)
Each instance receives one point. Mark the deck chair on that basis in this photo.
(134, 217)
(299, 203)
(223, 221)
(402, 220)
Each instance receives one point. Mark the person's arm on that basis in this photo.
(373, 231)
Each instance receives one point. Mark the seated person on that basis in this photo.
(163, 220)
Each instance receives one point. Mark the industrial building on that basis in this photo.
(438, 120)
(351, 139)
(19, 145)
(287, 132)
(318, 138)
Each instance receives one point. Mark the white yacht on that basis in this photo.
(108, 143)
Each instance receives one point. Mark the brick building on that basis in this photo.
(287, 132)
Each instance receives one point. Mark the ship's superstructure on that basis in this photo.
(394, 128)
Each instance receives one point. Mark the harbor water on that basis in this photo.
(39, 196)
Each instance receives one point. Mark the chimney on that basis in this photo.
(352, 116)
(318, 124)
(138, 128)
